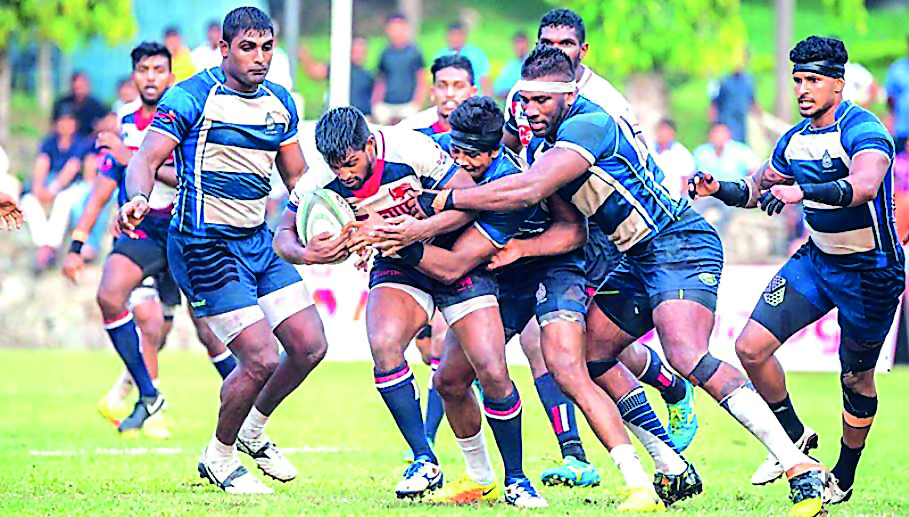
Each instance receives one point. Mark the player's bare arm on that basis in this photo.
(167, 174)
(140, 178)
(553, 169)
(321, 249)
(102, 189)
(448, 266)
(568, 232)
(291, 164)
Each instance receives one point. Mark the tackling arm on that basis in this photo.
(448, 266)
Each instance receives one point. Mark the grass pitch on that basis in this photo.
(57, 456)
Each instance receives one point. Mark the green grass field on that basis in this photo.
(59, 457)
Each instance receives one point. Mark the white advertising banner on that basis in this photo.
(340, 292)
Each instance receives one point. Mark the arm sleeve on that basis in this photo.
(592, 135)
(177, 113)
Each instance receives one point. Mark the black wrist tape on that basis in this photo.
(733, 193)
(833, 193)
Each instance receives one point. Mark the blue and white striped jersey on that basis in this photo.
(228, 142)
(857, 237)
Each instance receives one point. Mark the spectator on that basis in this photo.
(673, 158)
(400, 86)
(126, 94)
(181, 58)
(511, 72)
(361, 81)
(723, 157)
(279, 70)
(733, 98)
(55, 184)
(897, 87)
(208, 54)
(81, 104)
(457, 44)
(860, 88)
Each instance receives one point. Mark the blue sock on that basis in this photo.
(635, 410)
(504, 417)
(224, 363)
(401, 395)
(560, 412)
(670, 385)
(125, 337)
(434, 408)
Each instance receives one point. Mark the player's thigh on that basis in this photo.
(121, 274)
(605, 339)
(471, 309)
(209, 340)
(439, 329)
(394, 315)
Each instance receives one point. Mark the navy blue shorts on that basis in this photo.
(682, 262)
(808, 286)
(149, 251)
(551, 289)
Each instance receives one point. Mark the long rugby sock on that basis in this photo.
(784, 411)
(402, 396)
(125, 337)
(504, 417)
(629, 464)
(753, 413)
(224, 363)
(434, 408)
(561, 414)
(670, 385)
(844, 470)
(476, 459)
(643, 422)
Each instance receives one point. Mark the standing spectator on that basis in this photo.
(361, 81)
(400, 86)
(673, 158)
(81, 104)
(511, 72)
(457, 44)
(897, 87)
(54, 185)
(723, 157)
(181, 58)
(126, 94)
(279, 70)
(860, 87)
(208, 54)
(732, 99)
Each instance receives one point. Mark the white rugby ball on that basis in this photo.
(321, 211)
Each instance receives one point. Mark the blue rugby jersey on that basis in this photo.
(856, 237)
(228, 142)
(622, 191)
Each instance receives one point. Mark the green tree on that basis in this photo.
(65, 23)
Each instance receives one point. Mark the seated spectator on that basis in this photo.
(456, 37)
(55, 187)
(181, 59)
(400, 88)
(723, 157)
(361, 80)
(208, 54)
(81, 104)
(673, 158)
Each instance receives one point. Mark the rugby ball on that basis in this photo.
(321, 211)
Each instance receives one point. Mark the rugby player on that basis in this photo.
(667, 279)
(228, 127)
(151, 76)
(565, 30)
(837, 164)
(10, 212)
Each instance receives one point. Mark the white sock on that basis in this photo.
(476, 458)
(220, 357)
(254, 424)
(665, 459)
(752, 412)
(121, 388)
(156, 383)
(219, 452)
(629, 464)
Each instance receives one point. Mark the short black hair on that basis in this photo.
(816, 48)
(171, 31)
(477, 115)
(394, 17)
(243, 19)
(77, 74)
(668, 122)
(148, 49)
(520, 35)
(456, 26)
(544, 61)
(339, 131)
(564, 18)
(212, 24)
(452, 61)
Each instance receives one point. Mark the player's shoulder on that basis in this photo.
(786, 137)
(506, 164)
(443, 140)
(586, 116)
(859, 125)
(405, 145)
(278, 91)
(126, 114)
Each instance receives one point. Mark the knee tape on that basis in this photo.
(858, 409)
(857, 357)
(425, 332)
(704, 370)
(597, 368)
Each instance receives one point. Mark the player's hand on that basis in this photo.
(702, 184)
(400, 231)
(112, 142)
(73, 264)
(507, 255)
(362, 262)
(10, 213)
(326, 248)
(131, 214)
(772, 201)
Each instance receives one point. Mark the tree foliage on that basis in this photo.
(66, 23)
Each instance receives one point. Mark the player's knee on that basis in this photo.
(312, 353)
(702, 371)
(387, 348)
(751, 352)
(450, 387)
(571, 377)
(261, 365)
(110, 302)
(858, 359)
(859, 409)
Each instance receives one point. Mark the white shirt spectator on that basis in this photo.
(735, 161)
(279, 72)
(205, 56)
(859, 86)
(677, 165)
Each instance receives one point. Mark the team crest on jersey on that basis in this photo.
(827, 161)
(400, 192)
(708, 279)
(775, 291)
(541, 293)
(270, 127)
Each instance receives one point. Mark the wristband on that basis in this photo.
(833, 193)
(444, 200)
(144, 196)
(734, 193)
(76, 247)
(412, 254)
